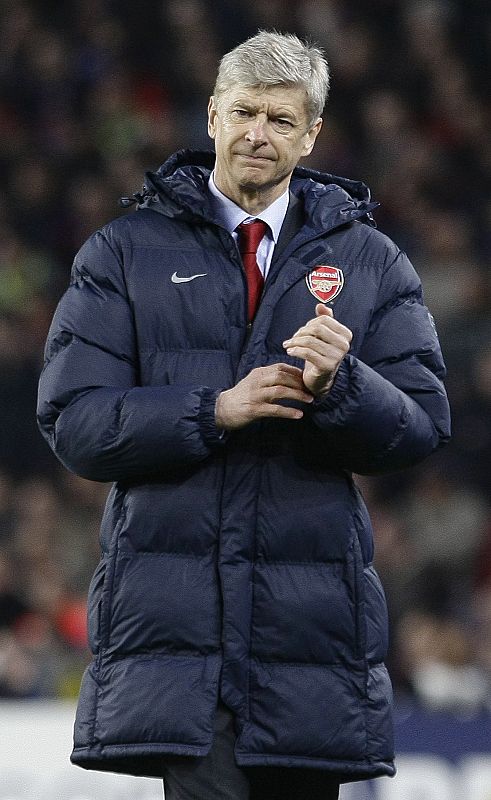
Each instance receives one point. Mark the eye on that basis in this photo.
(241, 113)
(283, 124)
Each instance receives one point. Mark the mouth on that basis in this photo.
(253, 158)
(255, 162)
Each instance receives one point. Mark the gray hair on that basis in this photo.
(270, 59)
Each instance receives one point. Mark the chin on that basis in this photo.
(258, 175)
(251, 185)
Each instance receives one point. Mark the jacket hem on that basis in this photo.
(148, 761)
(139, 760)
(345, 771)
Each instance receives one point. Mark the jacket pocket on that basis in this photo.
(103, 612)
(376, 617)
(94, 607)
(355, 579)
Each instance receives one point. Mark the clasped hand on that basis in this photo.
(322, 343)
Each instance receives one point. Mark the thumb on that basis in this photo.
(322, 310)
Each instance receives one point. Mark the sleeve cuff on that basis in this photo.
(337, 391)
(212, 436)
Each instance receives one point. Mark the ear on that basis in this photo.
(310, 138)
(212, 116)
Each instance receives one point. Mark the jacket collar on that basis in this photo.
(179, 188)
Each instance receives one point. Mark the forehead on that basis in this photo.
(288, 98)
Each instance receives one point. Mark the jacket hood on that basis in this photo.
(179, 188)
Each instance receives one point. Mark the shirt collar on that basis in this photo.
(231, 215)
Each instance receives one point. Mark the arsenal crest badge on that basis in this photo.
(325, 283)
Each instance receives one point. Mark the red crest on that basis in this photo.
(325, 283)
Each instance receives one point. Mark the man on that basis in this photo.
(237, 624)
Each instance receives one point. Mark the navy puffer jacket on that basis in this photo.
(240, 566)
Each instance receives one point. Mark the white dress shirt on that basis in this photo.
(231, 215)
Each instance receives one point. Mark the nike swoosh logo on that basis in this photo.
(176, 279)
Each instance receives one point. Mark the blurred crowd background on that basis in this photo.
(93, 93)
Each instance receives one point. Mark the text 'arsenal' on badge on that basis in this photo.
(325, 283)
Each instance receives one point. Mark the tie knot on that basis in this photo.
(250, 234)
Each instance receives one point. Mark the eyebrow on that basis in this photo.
(275, 113)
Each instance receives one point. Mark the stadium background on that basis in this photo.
(93, 93)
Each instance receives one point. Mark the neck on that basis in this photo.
(252, 200)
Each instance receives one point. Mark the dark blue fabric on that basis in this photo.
(236, 566)
(217, 777)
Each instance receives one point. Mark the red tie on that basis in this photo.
(250, 234)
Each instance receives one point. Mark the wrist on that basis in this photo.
(339, 388)
(210, 432)
(324, 390)
(322, 387)
(220, 419)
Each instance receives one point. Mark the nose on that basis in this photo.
(256, 134)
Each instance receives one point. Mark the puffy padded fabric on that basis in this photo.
(236, 566)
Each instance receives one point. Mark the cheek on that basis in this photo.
(229, 129)
(291, 152)
(221, 140)
(226, 137)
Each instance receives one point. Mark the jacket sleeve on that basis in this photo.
(388, 408)
(97, 419)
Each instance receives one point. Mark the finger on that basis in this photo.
(278, 374)
(281, 412)
(321, 339)
(276, 370)
(275, 393)
(329, 323)
(321, 361)
(320, 325)
(322, 310)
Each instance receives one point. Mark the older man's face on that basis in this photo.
(260, 135)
